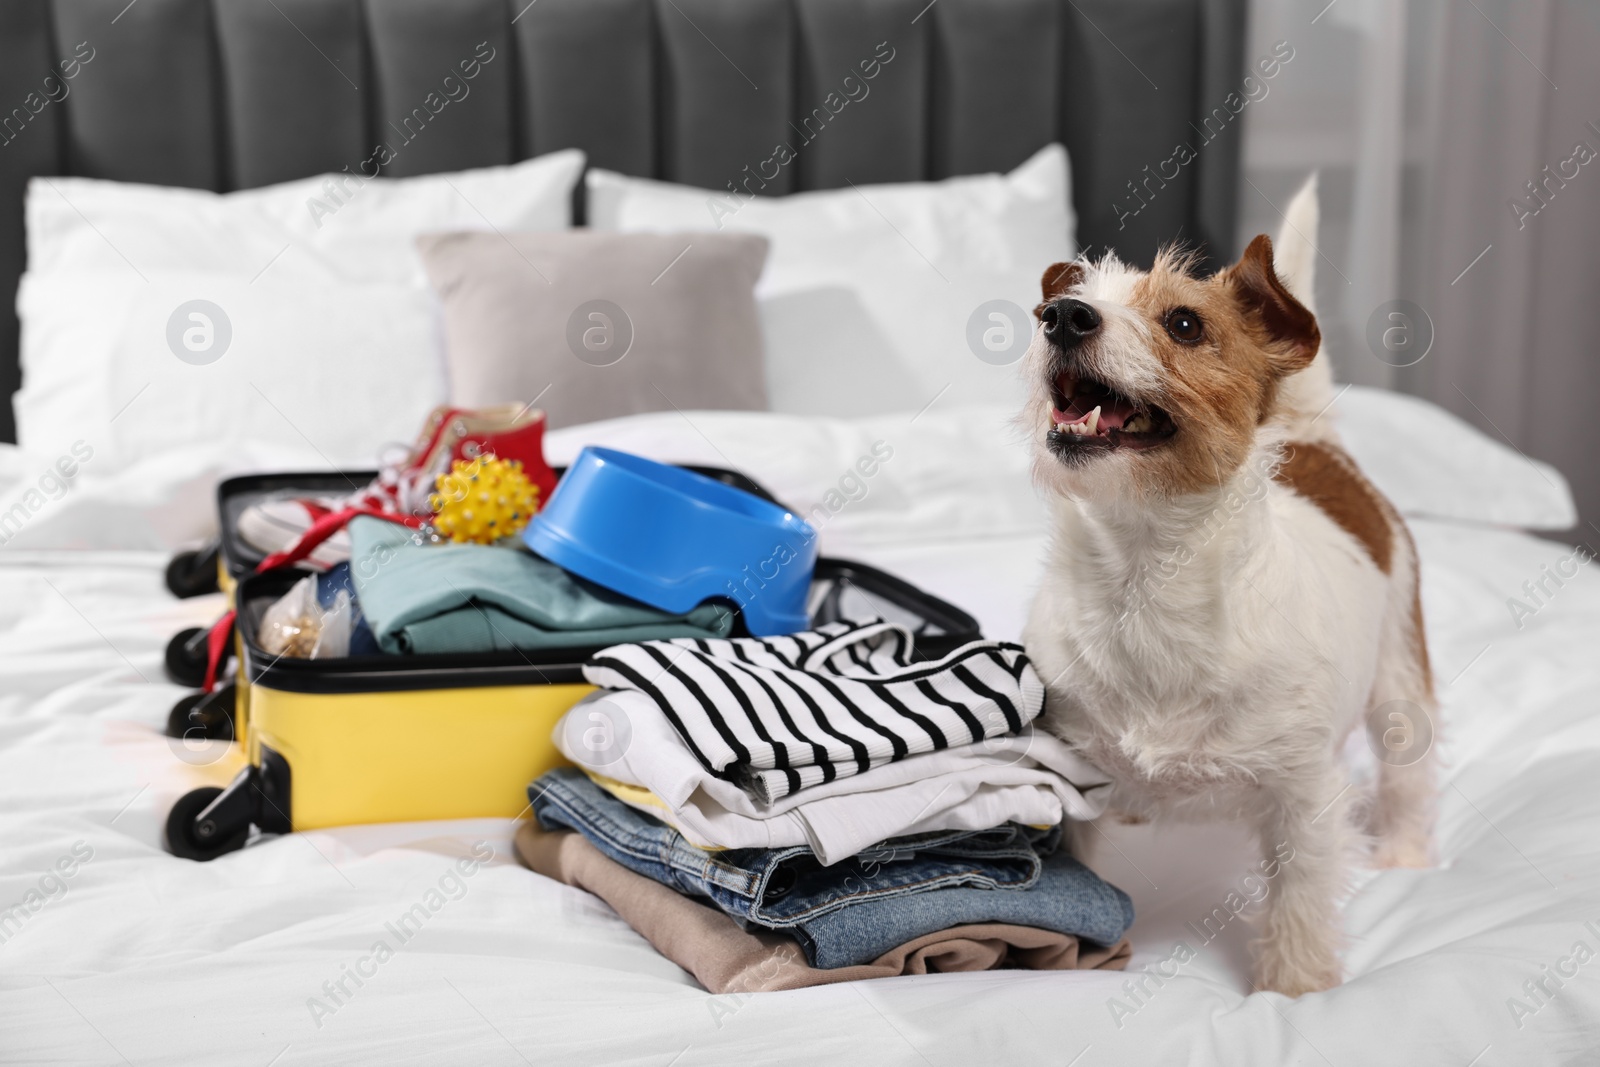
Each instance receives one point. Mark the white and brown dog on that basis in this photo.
(1225, 596)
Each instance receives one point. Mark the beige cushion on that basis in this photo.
(596, 325)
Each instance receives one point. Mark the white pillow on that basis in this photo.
(1434, 465)
(335, 347)
(869, 292)
(331, 222)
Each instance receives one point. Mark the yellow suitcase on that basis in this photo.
(335, 742)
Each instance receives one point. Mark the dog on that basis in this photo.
(1225, 596)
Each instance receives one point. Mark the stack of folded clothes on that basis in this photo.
(779, 812)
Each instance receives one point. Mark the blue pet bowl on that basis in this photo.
(672, 539)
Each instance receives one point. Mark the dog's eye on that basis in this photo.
(1184, 326)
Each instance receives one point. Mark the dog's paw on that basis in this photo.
(1278, 974)
(1403, 850)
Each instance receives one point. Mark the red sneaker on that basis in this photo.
(403, 487)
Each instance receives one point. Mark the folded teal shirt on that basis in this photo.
(481, 598)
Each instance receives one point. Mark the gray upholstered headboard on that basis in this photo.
(228, 94)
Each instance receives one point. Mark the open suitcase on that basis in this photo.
(216, 715)
(335, 742)
(219, 714)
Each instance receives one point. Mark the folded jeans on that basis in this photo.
(852, 913)
(727, 959)
(1068, 898)
(781, 888)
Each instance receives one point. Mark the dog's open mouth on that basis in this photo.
(1088, 414)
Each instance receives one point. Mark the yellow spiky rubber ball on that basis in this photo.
(483, 500)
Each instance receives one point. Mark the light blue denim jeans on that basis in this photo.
(851, 912)
(1068, 898)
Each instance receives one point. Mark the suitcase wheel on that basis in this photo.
(192, 833)
(186, 656)
(209, 822)
(204, 716)
(193, 573)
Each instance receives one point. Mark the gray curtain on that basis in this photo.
(1427, 120)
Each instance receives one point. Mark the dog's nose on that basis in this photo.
(1069, 322)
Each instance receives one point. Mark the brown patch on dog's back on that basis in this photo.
(1329, 478)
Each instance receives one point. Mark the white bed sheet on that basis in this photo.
(144, 958)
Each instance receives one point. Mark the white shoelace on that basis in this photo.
(395, 488)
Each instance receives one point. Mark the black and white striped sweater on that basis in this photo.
(778, 714)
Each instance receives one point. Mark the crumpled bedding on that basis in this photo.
(427, 942)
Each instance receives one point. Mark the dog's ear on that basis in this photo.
(1059, 277)
(1291, 329)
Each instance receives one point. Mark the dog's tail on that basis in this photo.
(1306, 396)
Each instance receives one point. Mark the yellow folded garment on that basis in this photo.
(637, 796)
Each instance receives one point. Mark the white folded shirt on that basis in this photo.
(1030, 778)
